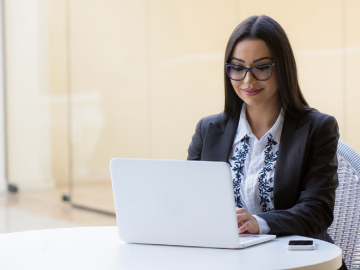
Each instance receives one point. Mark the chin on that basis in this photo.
(252, 104)
(251, 101)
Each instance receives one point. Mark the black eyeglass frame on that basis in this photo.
(249, 69)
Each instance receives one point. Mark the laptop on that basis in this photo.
(182, 203)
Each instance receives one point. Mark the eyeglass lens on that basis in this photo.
(238, 72)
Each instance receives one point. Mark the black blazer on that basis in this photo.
(306, 170)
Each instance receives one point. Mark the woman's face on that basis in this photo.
(249, 53)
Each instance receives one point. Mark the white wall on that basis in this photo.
(28, 111)
(134, 91)
(2, 90)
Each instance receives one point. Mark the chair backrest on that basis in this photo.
(345, 229)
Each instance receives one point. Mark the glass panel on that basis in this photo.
(142, 73)
(139, 85)
(109, 83)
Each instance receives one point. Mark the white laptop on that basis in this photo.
(184, 203)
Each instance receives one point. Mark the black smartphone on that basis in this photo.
(299, 244)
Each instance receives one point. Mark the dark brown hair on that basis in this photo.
(267, 29)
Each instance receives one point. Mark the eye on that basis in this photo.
(237, 68)
(262, 68)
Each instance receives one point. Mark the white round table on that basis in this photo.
(100, 248)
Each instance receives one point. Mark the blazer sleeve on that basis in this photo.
(196, 145)
(313, 212)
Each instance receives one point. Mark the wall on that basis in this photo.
(104, 79)
(351, 52)
(2, 106)
(139, 91)
(28, 110)
(58, 91)
(327, 48)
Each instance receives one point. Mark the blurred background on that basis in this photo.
(84, 81)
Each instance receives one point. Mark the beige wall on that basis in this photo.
(351, 74)
(2, 106)
(134, 77)
(28, 107)
(316, 31)
(58, 91)
(155, 79)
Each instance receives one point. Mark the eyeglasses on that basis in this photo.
(260, 72)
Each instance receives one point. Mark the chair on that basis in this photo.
(345, 229)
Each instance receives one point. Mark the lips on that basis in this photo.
(252, 91)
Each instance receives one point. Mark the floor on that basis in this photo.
(94, 195)
(35, 210)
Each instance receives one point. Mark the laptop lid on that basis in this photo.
(186, 203)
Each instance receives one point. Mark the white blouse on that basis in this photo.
(253, 163)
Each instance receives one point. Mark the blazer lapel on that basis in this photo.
(290, 162)
(218, 143)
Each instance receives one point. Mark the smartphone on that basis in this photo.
(301, 244)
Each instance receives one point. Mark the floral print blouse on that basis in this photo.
(253, 164)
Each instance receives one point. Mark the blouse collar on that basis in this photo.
(245, 129)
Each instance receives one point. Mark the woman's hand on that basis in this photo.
(246, 222)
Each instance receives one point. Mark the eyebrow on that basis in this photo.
(256, 60)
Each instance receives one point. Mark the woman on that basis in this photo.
(282, 152)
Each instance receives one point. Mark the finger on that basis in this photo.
(244, 227)
(241, 218)
(240, 210)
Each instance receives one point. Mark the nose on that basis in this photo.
(249, 78)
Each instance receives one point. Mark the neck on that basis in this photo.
(262, 118)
